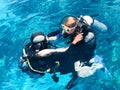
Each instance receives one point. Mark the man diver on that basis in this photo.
(38, 42)
(33, 64)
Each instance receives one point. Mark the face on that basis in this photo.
(68, 30)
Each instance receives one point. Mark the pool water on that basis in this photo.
(20, 18)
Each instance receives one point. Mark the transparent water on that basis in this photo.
(20, 18)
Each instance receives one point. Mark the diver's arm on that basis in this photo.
(52, 38)
(47, 52)
(61, 49)
(55, 37)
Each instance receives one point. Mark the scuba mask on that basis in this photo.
(67, 29)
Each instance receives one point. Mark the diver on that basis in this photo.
(32, 64)
(38, 42)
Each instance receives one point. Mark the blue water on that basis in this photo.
(20, 18)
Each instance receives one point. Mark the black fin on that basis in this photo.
(72, 82)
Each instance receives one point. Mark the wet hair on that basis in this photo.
(70, 21)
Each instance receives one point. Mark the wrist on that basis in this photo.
(74, 42)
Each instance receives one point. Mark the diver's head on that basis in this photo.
(70, 25)
(38, 40)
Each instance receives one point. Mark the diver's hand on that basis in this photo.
(78, 38)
